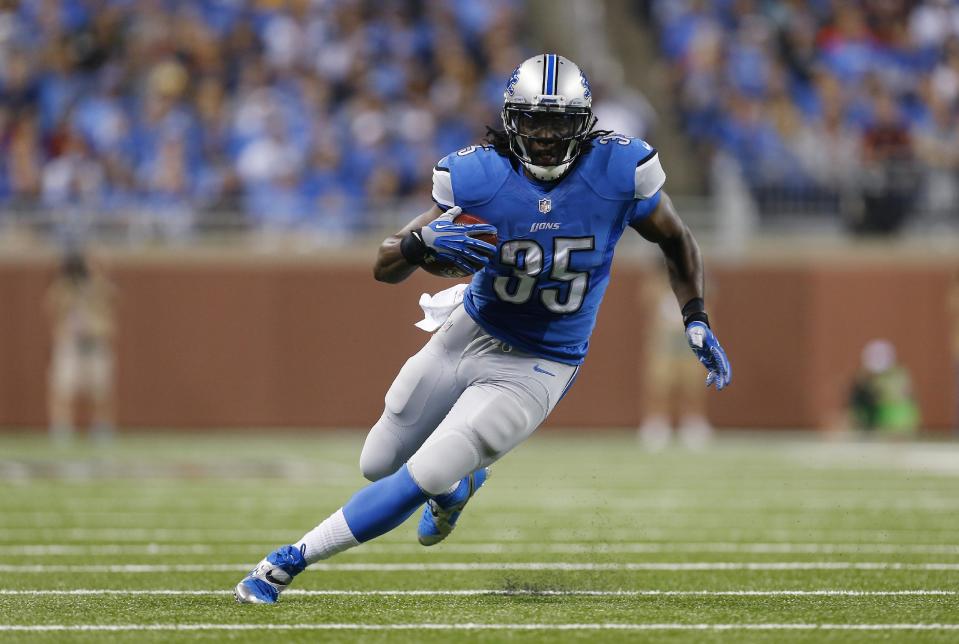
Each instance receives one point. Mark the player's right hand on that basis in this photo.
(452, 242)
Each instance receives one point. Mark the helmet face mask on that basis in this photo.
(546, 137)
(547, 115)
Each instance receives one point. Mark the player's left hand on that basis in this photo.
(710, 353)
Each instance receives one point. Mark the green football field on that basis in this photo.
(574, 539)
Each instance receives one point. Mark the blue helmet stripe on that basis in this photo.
(550, 74)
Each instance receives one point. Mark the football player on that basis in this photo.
(559, 194)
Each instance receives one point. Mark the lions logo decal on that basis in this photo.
(511, 83)
(587, 92)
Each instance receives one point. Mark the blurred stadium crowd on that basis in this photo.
(156, 115)
(827, 105)
(158, 118)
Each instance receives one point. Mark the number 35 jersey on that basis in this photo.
(542, 290)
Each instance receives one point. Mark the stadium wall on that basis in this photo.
(229, 342)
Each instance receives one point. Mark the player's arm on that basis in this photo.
(391, 266)
(684, 262)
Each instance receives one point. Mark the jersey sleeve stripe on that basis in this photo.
(442, 186)
(649, 176)
(653, 152)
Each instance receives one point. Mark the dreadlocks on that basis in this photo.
(500, 140)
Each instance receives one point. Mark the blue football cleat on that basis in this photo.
(270, 577)
(441, 512)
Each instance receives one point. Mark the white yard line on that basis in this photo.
(514, 497)
(922, 459)
(678, 505)
(479, 627)
(22, 569)
(684, 547)
(481, 591)
(638, 547)
(478, 532)
(117, 549)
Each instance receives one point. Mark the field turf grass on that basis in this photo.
(574, 539)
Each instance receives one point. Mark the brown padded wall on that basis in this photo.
(24, 343)
(229, 343)
(908, 305)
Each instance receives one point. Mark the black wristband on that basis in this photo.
(413, 248)
(695, 311)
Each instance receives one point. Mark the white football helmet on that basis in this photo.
(547, 114)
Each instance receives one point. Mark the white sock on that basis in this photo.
(325, 540)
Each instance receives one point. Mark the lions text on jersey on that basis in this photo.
(542, 291)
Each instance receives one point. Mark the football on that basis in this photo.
(446, 269)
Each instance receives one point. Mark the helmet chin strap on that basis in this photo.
(552, 172)
(547, 172)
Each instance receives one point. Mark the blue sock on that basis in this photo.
(446, 498)
(383, 505)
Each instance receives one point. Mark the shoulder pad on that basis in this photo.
(443, 185)
(469, 177)
(621, 167)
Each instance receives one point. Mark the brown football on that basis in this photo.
(466, 218)
(446, 269)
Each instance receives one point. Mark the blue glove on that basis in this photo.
(710, 353)
(452, 242)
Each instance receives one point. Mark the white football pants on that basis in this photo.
(461, 403)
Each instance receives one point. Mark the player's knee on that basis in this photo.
(443, 462)
(376, 465)
(500, 424)
(382, 453)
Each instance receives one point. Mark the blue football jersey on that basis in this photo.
(542, 290)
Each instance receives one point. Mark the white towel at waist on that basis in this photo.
(437, 308)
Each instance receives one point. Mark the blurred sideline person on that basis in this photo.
(559, 194)
(80, 304)
(881, 398)
(672, 387)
